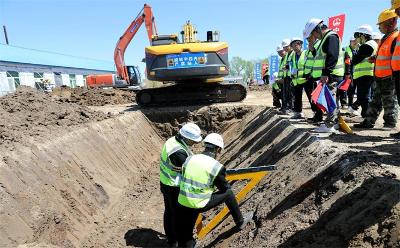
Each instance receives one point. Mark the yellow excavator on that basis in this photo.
(192, 71)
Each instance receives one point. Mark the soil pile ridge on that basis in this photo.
(93, 97)
(28, 113)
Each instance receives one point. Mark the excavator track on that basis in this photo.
(191, 94)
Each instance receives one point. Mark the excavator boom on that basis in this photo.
(146, 16)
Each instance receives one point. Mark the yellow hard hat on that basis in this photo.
(395, 4)
(386, 15)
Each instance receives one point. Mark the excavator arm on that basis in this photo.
(146, 16)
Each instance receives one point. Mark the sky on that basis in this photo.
(91, 28)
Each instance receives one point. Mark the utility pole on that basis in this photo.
(5, 34)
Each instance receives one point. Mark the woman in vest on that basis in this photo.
(384, 95)
(363, 74)
(201, 175)
(298, 78)
(173, 155)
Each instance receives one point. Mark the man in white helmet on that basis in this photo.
(278, 83)
(328, 66)
(363, 75)
(350, 51)
(376, 36)
(201, 175)
(298, 62)
(287, 89)
(173, 155)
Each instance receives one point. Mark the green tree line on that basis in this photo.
(244, 68)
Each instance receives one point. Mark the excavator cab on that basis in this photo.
(134, 75)
(158, 40)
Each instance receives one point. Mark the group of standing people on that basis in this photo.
(194, 183)
(371, 63)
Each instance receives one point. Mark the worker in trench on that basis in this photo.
(173, 155)
(201, 175)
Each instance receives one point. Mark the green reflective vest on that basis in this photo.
(288, 61)
(349, 51)
(282, 64)
(320, 57)
(365, 68)
(169, 173)
(298, 69)
(197, 184)
(275, 86)
(310, 59)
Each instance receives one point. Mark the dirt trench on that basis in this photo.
(97, 185)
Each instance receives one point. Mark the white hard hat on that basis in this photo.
(191, 131)
(296, 39)
(214, 139)
(364, 29)
(310, 26)
(279, 48)
(285, 42)
(376, 36)
(352, 38)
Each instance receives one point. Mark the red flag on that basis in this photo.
(316, 92)
(345, 84)
(336, 23)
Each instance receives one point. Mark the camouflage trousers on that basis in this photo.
(384, 96)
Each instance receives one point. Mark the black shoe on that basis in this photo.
(315, 119)
(247, 217)
(389, 125)
(395, 135)
(363, 125)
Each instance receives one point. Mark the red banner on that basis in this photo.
(336, 23)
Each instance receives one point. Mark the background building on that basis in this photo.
(45, 70)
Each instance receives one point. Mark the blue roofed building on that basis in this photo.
(45, 70)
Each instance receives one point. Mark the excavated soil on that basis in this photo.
(94, 96)
(28, 114)
(95, 183)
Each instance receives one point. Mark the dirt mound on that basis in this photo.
(93, 97)
(212, 119)
(260, 88)
(28, 113)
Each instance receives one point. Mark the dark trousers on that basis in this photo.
(363, 85)
(171, 211)
(287, 92)
(188, 216)
(384, 97)
(350, 93)
(341, 97)
(276, 98)
(298, 95)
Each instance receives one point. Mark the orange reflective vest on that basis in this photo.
(396, 56)
(383, 66)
